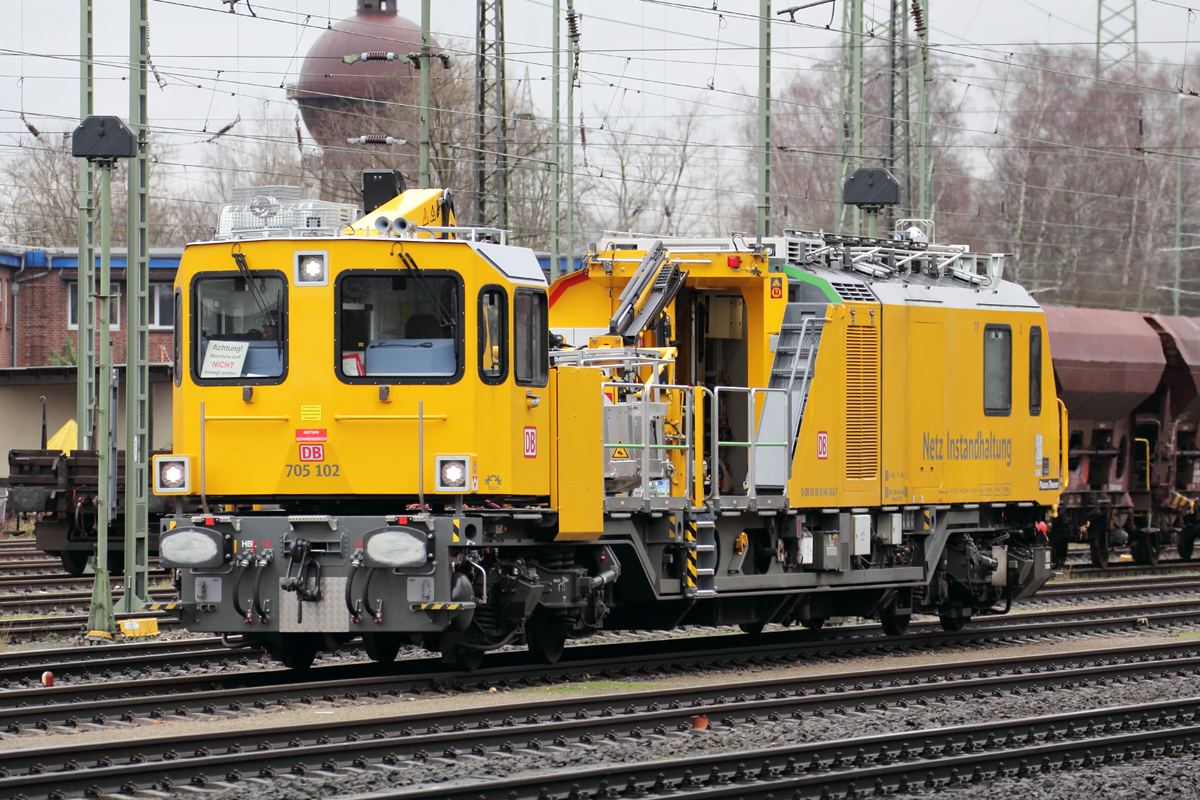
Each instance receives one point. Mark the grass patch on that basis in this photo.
(16, 617)
(1188, 634)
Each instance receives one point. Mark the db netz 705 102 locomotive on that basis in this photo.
(397, 431)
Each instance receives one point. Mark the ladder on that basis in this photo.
(700, 542)
(792, 371)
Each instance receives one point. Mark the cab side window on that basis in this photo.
(493, 335)
(178, 343)
(531, 346)
(997, 370)
(1035, 371)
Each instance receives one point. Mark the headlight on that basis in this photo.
(393, 548)
(453, 473)
(172, 475)
(312, 268)
(191, 548)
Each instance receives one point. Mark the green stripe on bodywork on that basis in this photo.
(796, 274)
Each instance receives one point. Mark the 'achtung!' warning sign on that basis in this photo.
(224, 359)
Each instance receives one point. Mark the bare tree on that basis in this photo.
(1082, 189)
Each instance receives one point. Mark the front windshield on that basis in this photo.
(239, 327)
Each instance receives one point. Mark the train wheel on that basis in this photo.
(546, 641)
(1146, 552)
(894, 624)
(815, 623)
(951, 624)
(381, 647)
(298, 651)
(1187, 545)
(1059, 549)
(468, 659)
(1098, 544)
(74, 562)
(752, 628)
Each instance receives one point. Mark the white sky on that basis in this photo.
(640, 56)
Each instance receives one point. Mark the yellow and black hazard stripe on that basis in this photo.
(442, 606)
(161, 606)
(689, 573)
(456, 531)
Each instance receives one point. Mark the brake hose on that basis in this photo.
(261, 606)
(355, 612)
(237, 588)
(376, 613)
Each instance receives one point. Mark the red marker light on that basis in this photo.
(734, 261)
(209, 521)
(402, 520)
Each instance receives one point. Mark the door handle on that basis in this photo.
(532, 399)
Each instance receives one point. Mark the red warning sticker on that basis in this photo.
(311, 435)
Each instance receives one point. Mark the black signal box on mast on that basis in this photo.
(103, 139)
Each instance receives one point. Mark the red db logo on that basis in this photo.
(531, 442)
(822, 445)
(312, 452)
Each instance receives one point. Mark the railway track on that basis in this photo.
(142, 693)
(63, 601)
(211, 759)
(1116, 587)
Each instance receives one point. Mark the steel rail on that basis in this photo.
(315, 746)
(896, 760)
(19, 586)
(184, 695)
(54, 601)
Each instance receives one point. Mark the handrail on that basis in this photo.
(651, 392)
(402, 417)
(1064, 435)
(752, 445)
(247, 417)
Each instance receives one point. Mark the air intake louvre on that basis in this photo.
(853, 292)
(862, 402)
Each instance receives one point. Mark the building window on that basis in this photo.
(531, 345)
(1035, 371)
(162, 306)
(997, 370)
(114, 308)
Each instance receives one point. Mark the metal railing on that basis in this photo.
(654, 393)
(754, 431)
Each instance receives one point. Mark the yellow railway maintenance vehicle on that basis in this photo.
(394, 429)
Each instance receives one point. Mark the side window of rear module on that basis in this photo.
(997, 370)
(531, 343)
(239, 328)
(493, 335)
(1035, 371)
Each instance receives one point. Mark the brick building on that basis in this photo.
(39, 289)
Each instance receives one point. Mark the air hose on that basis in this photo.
(355, 610)
(237, 591)
(377, 613)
